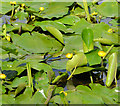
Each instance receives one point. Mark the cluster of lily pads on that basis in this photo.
(39, 37)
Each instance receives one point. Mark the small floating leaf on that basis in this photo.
(112, 69)
(87, 36)
(56, 33)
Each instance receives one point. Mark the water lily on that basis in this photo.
(63, 92)
(32, 17)
(23, 5)
(94, 13)
(69, 55)
(2, 76)
(41, 8)
(8, 37)
(13, 2)
(110, 30)
(101, 53)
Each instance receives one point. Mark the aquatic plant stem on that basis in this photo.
(72, 73)
(12, 11)
(86, 10)
(30, 83)
(91, 78)
(108, 51)
(115, 77)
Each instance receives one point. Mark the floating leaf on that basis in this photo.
(70, 20)
(17, 81)
(37, 43)
(54, 24)
(55, 9)
(20, 88)
(80, 25)
(73, 43)
(87, 37)
(77, 60)
(93, 57)
(112, 69)
(7, 99)
(38, 98)
(108, 9)
(24, 98)
(59, 64)
(80, 70)
(56, 33)
(21, 15)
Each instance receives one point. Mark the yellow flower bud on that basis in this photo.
(41, 8)
(101, 53)
(110, 30)
(13, 3)
(32, 17)
(63, 92)
(2, 76)
(94, 13)
(69, 55)
(8, 37)
(22, 5)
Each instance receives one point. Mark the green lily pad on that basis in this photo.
(59, 64)
(38, 98)
(70, 20)
(37, 43)
(80, 70)
(17, 81)
(73, 43)
(7, 99)
(93, 58)
(55, 9)
(5, 8)
(80, 25)
(21, 15)
(45, 24)
(108, 9)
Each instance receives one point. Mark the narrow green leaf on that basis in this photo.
(112, 69)
(82, 70)
(56, 33)
(77, 60)
(103, 41)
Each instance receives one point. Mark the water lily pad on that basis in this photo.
(45, 24)
(93, 57)
(55, 9)
(17, 81)
(5, 8)
(59, 64)
(37, 43)
(108, 9)
(21, 15)
(7, 99)
(70, 20)
(82, 70)
(73, 43)
(80, 25)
